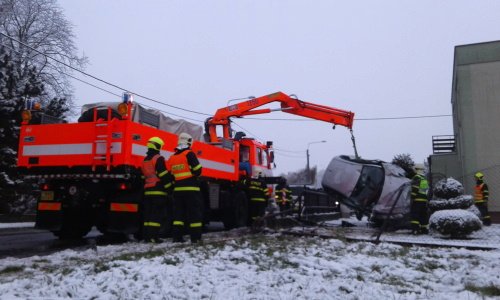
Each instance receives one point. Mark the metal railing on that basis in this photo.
(443, 144)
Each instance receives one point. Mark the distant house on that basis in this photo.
(475, 143)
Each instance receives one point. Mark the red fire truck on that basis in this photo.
(89, 171)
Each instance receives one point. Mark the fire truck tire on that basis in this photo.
(236, 210)
(71, 233)
(70, 230)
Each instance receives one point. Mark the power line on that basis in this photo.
(102, 80)
(246, 130)
(356, 119)
(290, 151)
(88, 83)
(169, 113)
(109, 92)
(289, 156)
(192, 111)
(401, 118)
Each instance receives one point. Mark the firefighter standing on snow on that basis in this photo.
(481, 196)
(419, 215)
(257, 192)
(186, 169)
(283, 195)
(156, 184)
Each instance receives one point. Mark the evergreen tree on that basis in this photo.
(13, 91)
(56, 107)
(405, 162)
(31, 29)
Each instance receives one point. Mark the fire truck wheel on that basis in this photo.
(72, 231)
(236, 210)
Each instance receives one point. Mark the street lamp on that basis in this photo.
(307, 153)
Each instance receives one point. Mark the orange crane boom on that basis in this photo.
(288, 105)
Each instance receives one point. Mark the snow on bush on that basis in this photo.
(460, 202)
(473, 209)
(448, 188)
(453, 214)
(455, 223)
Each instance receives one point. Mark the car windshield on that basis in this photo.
(368, 187)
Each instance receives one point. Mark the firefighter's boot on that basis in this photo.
(415, 227)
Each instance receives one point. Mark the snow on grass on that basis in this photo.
(263, 266)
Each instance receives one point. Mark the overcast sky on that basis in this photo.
(378, 59)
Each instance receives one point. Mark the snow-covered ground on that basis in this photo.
(234, 265)
(17, 225)
(486, 238)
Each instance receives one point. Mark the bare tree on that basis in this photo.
(41, 25)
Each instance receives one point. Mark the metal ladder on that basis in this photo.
(102, 137)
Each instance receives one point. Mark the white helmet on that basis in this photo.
(185, 140)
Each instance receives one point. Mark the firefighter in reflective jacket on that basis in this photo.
(283, 195)
(481, 196)
(187, 206)
(419, 215)
(258, 194)
(157, 182)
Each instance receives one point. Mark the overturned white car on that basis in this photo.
(373, 188)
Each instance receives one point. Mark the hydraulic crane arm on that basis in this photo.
(288, 105)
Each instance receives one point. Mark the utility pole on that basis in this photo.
(308, 170)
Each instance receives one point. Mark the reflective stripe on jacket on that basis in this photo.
(179, 166)
(149, 172)
(480, 193)
(185, 168)
(257, 190)
(419, 188)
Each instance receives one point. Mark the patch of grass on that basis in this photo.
(213, 245)
(376, 268)
(401, 252)
(418, 256)
(256, 241)
(345, 289)
(240, 260)
(76, 260)
(428, 266)
(127, 256)
(490, 290)
(138, 255)
(395, 281)
(100, 267)
(11, 269)
(433, 265)
(174, 261)
(285, 263)
(66, 271)
(431, 254)
(48, 268)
